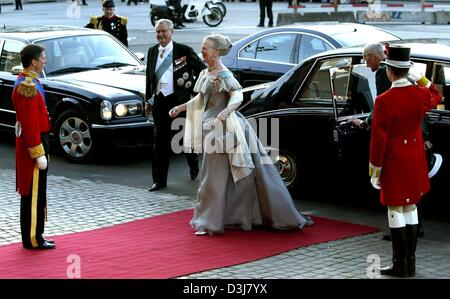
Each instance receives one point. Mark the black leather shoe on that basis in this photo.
(49, 241)
(386, 237)
(156, 187)
(44, 245)
(194, 173)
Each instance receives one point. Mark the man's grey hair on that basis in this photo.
(221, 42)
(376, 48)
(167, 22)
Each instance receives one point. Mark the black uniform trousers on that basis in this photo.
(162, 139)
(33, 206)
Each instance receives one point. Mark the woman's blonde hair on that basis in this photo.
(221, 42)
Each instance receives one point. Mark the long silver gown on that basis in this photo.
(260, 199)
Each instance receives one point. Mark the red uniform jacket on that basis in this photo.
(397, 143)
(28, 99)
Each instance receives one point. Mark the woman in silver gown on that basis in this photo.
(239, 186)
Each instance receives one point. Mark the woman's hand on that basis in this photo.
(223, 114)
(174, 112)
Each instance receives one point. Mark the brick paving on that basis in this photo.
(79, 205)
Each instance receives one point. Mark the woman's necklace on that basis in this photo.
(211, 69)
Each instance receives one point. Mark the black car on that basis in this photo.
(267, 55)
(318, 149)
(94, 88)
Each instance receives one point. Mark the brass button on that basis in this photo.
(407, 200)
(405, 141)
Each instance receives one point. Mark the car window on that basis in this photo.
(85, 51)
(310, 45)
(10, 55)
(276, 48)
(361, 91)
(441, 78)
(249, 51)
(331, 75)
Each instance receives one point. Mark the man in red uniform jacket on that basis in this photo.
(32, 125)
(398, 165)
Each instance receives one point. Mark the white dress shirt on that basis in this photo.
(165, 84)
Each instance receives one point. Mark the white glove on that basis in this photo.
(417, 77)
(41, 162)
(374, 173)
(375, 183)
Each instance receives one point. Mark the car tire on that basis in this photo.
(73, 136)
(286, 165)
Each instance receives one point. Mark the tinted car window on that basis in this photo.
(87, 51)
(277, 48)
(249, 51)
(310, 45)
(10, 55)
(336, 71)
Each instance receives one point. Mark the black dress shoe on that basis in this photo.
(194, 173)
(49, 241)
(387, 237)
(156, 187)
(44, 245)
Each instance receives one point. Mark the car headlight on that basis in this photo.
(106, 110)
(121, 110)
(128, 108)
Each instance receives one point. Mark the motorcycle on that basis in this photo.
(211, 11)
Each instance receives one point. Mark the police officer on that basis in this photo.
(109, 22)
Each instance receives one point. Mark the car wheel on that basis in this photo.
(73, 136)
(286, 165)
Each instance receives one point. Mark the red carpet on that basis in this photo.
(161, 247)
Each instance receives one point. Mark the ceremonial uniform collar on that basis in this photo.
(403, 82)
(111, 18)
(31, 74)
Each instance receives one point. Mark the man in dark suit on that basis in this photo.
(171, 72)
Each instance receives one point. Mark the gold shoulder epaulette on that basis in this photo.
(123, 20)
(27, 88)
(94, 20)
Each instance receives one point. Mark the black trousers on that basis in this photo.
(33, 206)
(162, 139)
(263, 6)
